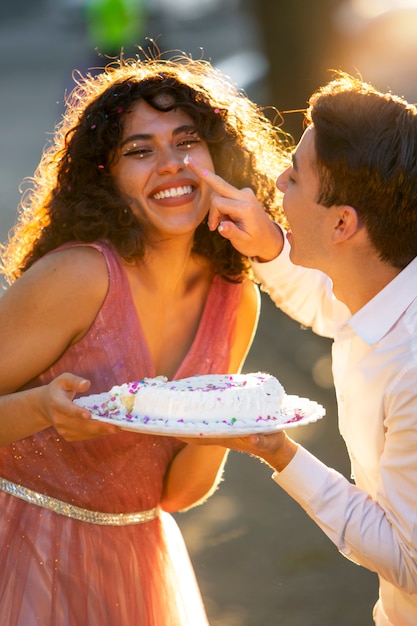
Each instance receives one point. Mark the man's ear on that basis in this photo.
(346, 224)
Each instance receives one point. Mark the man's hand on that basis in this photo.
(239, 217)
(276, 449)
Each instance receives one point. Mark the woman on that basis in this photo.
(115, 276)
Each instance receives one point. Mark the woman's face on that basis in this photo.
(163, 194)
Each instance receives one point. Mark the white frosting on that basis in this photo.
(210, 400)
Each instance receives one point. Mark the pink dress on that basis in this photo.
(60, 571)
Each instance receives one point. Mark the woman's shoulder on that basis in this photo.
(243, 284)
(80, 249)
(247, 319)
(250, 298)
(58, 297)
(82, 258)
(81, 269)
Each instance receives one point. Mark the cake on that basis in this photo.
(209, 402)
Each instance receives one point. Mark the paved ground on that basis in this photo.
(259, 559)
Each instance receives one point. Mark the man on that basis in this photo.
(350, 197)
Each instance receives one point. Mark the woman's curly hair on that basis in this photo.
(72, 195)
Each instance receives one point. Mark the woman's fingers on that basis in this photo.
(70, 420)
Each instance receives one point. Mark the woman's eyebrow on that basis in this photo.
(136, 137)
(185, 128)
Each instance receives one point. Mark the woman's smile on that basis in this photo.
(183, 191)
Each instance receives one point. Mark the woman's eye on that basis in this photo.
(189, 142)
(137, 151)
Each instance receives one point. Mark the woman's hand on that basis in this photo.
(71, 421)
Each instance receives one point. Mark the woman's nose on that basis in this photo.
(170, 161)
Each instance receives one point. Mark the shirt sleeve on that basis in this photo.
(303, 294)
(380, 533)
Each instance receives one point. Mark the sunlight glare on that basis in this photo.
(369, 9)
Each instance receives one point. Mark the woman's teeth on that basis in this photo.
(173, 193)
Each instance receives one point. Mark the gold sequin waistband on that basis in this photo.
(75, 512)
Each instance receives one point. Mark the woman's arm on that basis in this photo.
(45, 311)
(193, 476)
(197, 470)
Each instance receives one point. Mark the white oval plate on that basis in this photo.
(295, 411)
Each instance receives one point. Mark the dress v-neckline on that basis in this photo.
(147, 355)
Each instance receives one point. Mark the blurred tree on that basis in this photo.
(115, 24)
(301, 45)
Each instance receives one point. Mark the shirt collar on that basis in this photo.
(375, 319)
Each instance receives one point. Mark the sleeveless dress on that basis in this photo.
(60, 571)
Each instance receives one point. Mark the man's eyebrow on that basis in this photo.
(294, 161)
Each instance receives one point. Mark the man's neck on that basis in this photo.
(362, 282)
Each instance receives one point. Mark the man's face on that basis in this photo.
(311, 224)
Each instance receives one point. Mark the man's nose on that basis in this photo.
(282, 181)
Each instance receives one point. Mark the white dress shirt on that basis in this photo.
(374, 521)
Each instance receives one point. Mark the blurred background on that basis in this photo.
(259, 559)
